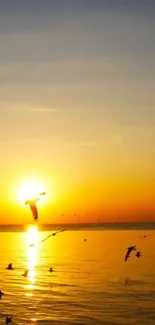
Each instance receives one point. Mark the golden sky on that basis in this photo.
(77, 110)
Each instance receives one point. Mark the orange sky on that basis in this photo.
(77, 111)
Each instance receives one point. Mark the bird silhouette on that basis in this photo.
(53, 234)
(42, 193)
(129, 250)
(1, 294)
(25, 274)
(145, 236)
(33, 207)
(85, 240)
(51, 269)
(8, 320)
(138, 254)
(9, 267)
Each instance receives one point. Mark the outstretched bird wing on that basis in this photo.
(53, 234)
(46, 238)
(34, 210)
(129, 251)
(57, 232)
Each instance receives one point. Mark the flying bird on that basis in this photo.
(53, 234)
(33, 207)
(138, 254)
(145, 236)
(9, 267)
(1, 294)
(129, 250)
(25, 274)
(42, 193)
(8, 320)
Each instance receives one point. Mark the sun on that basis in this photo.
(30, 190)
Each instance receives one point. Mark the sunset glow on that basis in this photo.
(77, 111)
(29, 191)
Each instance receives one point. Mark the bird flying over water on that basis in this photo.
(33, 207)
(25, 274)
(129, 250)
(145, 236)
(138, 254)
(53, 234)
(9, 267)
(8, 320)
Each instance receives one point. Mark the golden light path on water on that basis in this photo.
(32, 251)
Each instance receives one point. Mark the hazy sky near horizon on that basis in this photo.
(77, 107)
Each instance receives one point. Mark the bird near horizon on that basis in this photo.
(25, 274)
(145, 236)
(9, 267)
(33, 207)
(129, 250)
(138, 254)
(53, 234)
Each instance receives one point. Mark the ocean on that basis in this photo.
(87, 285)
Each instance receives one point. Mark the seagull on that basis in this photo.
(129, 250)
(32, 204)
(138, 254)
(1, 294)
(9, 267)
(25, 274)
(145, 236)
(51, 269)
(53, 234)
(8, 320)
(42, 193)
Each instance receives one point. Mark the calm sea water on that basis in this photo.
(87, 282)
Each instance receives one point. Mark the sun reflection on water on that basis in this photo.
(32, 238)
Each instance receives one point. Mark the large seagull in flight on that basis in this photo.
(33, 207)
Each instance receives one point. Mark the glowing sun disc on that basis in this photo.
(29, 191)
